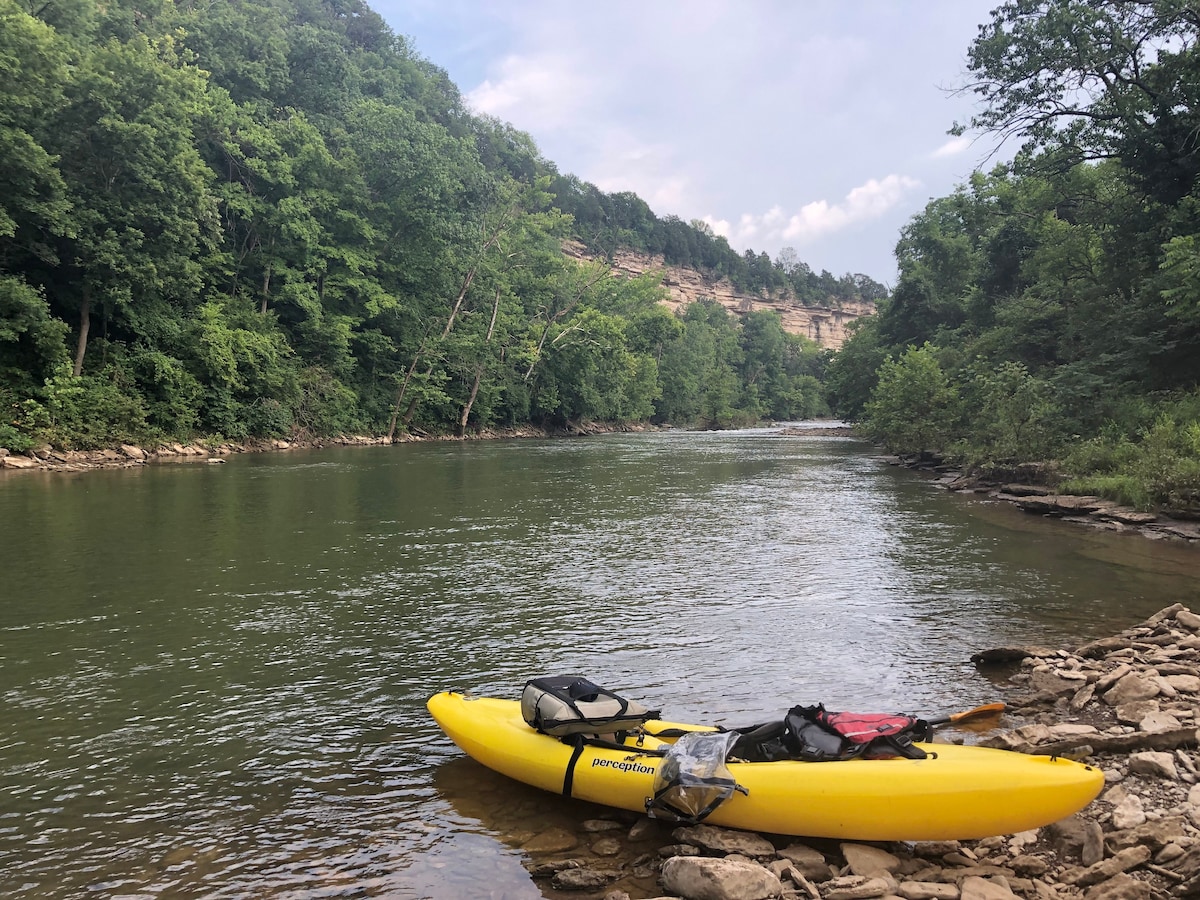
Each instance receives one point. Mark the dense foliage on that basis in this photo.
(269, 217)
(1049, 310)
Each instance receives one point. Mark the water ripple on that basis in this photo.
(238, 708)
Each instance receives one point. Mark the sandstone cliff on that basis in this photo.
(824, 325)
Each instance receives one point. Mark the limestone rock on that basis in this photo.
(1158, 722)
(699, 878)
(1127, 859)
(606, 846)
(866, 860)
(552, 840)
(1158, 763)
(1121, 887)
(1188, 619)
(1184, 683)
(856, 887)
(1129, 813)
(725, 840)
(1154, 834)
(582, 879)
(927, 890)
(811, 863)
(976, 888)
(1131, 687)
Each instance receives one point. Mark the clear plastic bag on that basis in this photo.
(693, 779)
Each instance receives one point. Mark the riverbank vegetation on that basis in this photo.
(1049, 310)
(274, 219)
(263, 218)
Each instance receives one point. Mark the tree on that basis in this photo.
(143, 207)
(1013, 417)
(33, 61)
(913, 405)
(1095, 79)
(853, 372)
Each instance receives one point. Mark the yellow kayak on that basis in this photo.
(957, 792)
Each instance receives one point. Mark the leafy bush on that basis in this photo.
(326, 405)
(1169, 464)
(1103, 455)
(914, 403)
(1124, 489)
(172, 394)
(14, 440)
(92, 411)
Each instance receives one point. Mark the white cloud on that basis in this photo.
(952, 147)
(540, 92)
(704, 108)
(818, 219)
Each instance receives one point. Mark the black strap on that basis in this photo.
(569, 777)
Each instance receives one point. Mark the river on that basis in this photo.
(214, 676)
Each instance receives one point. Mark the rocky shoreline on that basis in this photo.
(1039, 499)
(1129, 704)
(49, 459)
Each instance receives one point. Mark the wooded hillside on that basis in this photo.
(273, 217)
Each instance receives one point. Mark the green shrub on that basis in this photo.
(14, 440)
(1124, 489)
(92, 411)
(1101, 456)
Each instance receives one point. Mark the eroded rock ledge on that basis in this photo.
(1129, 704)
(1093, 512)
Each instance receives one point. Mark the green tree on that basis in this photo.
(914, 405)
(1013, 418)
(142, 204)
(1095, 80)
(853, 371)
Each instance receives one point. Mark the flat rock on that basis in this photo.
(700, 878)
(725, 840)
(552, 840)
(975, 888)
(866, 860)
(1130, 688)
(583, 879)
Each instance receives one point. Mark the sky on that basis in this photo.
(820, 125)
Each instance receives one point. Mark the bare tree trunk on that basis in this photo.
(450, 320)
(491, 241)
(266, 291)
(550, 320)
(266, 284)
(85, 323)
(400, 397)
(466, 413)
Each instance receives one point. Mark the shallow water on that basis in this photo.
(214, 676)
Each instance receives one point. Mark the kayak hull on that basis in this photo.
(958, 792)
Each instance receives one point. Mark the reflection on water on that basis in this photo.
(214, 677)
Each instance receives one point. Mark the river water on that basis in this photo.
(214, 676)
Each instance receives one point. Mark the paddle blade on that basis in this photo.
(987, 711)
(979, 712)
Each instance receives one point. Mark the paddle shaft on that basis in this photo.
(979, 712)
(967, 715)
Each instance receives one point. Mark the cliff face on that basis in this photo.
(824, 325)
